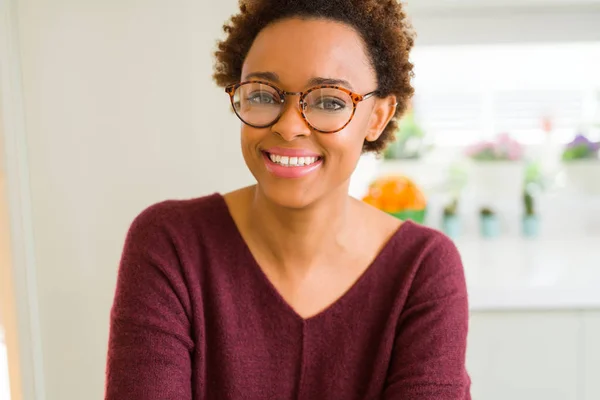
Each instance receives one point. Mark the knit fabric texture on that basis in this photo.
(195, 318)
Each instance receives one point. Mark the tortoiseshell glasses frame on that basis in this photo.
(355, 97)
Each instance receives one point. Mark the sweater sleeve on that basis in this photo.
(150, 341)
(428, 361)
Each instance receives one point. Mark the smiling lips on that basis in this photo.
(291, 163)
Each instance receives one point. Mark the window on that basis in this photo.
(468, 93)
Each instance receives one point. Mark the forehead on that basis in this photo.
(298, 50)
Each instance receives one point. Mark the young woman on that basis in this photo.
(291, 289)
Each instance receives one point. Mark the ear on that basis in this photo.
(381, 115)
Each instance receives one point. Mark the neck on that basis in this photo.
(298, 239)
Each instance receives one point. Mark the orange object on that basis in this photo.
(395, 194)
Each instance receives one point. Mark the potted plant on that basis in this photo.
(582, 164)
(489, 224)
(398, 196)
(530, 219)
(497, 169)
(451, 221)
(581, 148)
(534, 184)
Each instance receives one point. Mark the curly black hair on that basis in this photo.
(382, 24)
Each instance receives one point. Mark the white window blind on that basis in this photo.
(466, 94)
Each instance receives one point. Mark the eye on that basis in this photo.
(260, 97)
(329, 104)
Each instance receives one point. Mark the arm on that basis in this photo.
(428, 361)
(150, 341)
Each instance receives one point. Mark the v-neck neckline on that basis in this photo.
(377, 263)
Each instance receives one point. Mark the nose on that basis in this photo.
(291, 124)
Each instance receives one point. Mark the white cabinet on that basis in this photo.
(437, 5)
(525, 355)
(591, 355)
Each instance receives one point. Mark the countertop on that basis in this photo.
(513, 273)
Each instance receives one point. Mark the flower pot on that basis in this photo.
(530, 226)
(451, 226)
(583, 175)
(497, 179)
(489, 225)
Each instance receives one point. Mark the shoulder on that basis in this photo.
(411, 247)
(426, 242)
(174, 219)
(436, 269)
(407, 237)
(179, 238)
(174, 212)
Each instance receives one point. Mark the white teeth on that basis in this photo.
(292, 161)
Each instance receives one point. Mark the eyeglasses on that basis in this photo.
(326, 108)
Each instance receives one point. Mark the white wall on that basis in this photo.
(120, 112)
(500, 21)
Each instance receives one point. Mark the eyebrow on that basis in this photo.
(270, 76)
(330, 81)
(316, 81)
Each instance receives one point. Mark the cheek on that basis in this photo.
(345, 147)
(362, 119)
(249, 139)
(353, 136)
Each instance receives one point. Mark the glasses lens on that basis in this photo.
(257, 104)
(328, 110)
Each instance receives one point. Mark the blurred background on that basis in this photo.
(107, 107)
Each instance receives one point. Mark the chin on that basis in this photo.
(286, 195)
(291, 193)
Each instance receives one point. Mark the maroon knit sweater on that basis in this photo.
(194, 317)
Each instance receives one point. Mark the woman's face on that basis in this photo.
(294, 55)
